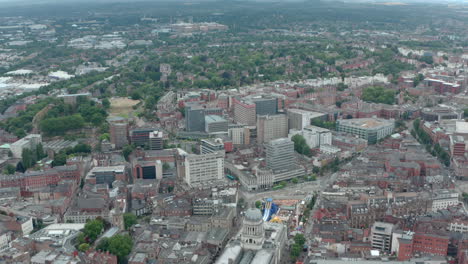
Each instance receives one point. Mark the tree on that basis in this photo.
(258, 204)
(20, 167)
(295, 251)
(106, 103)
(136, 96)
(119, 245)
(465, 197)
(103, 244)
(83, 247)
(166, 166)
(378, 94)
(300, 145)
(129, 220)
(427, 59)
(9, 169)
(127, 150)
(93, 229)
(81, 238)
(59, 125)
(28, 158)
(315, 169)
(299, 239)
(40, 154)
(104, 136)
(342, 86)
(81, 148)
(294, 180)
(59, 159)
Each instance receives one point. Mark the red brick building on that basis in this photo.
(430, 243)
(405, 249)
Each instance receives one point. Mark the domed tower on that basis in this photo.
(252, 235)
(117, 218)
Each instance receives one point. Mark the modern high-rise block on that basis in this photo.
(271, 127)
(140, 136)
(239, 134)
(155, 140)
(244, 112)
(280, 155)
(194, 118)
(266, 106)
(210, 146)
(215, 124)
(204, 169)
(381, 236)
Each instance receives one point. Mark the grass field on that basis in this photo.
(121, 106)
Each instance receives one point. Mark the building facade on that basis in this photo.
(215, 124)
(370, 129)
(271, 127)
(118, 134)
(244, 112)
(194, 118)
(204, 168)
(280, 155)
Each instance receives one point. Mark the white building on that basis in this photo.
(258, 242)
(26, 224)
(5, 239)
(29, 142)
(381, 236)
(329, 149)
(443, 199)
(239, 134)
(458, 226)
(314, 136)
(205, 168)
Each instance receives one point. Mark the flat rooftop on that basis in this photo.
(366, 122)
(214, 118)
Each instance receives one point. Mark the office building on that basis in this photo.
(140, 136)
(215, 124)
(265, 106)
(118, 133)
(106, 175)
(298, 118)
(239, 134)
(211, 146)
(156, 141)
(280, 155)
(314, 136)
(194, 118)
(370, 129)
(147, 170)
(271, 127)
(204, 169)
(244, 112)
(381, 236)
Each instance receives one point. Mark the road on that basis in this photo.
(292, 191)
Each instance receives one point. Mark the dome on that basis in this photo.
(253, 214)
